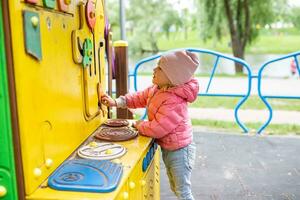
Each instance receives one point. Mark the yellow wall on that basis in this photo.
(56, 97)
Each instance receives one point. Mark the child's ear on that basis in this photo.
(159, 61)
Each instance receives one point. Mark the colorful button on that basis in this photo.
(37, 172)
(3, 191)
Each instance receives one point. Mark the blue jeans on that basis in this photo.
(179, 165)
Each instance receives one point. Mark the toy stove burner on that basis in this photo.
(101, 151)
(116, 122)
(115, 134)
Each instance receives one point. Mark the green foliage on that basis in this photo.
(277, 41)
(112, 10)
(147, 20)
(296, 17)
(214, 22)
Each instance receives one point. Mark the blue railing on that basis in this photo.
(250, 76)
(265, 97)
(217, 56)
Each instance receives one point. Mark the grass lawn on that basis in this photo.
(272, 129)
(267, 43)
(253, 102)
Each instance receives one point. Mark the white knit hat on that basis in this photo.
(179, 66)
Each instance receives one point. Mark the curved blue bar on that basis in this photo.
(297, 64)
(137, 66)
(264, 98)
(218, 55)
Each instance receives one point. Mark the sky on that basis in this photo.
(294, 2)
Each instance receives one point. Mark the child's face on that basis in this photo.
(159, 77)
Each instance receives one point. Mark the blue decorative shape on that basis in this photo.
(87, 176)
(144, 165)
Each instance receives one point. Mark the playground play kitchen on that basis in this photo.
(56, 139)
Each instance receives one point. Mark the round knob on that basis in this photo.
(37, 172)
(143, 183)
(34, 21)
(3, 191)
(92, 14)
(49, 162)
(68, 2)
(93, 144)
(108, 151)
(125, 195)
(131, 185)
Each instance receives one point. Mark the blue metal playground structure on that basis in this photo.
(244, 95)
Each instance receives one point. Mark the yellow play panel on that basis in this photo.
(58, 49)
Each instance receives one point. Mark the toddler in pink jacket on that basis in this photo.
(168, 120)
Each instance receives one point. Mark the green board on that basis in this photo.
(49, 3)
(7, 166)
(32, 34)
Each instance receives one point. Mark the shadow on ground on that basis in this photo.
(237, 167)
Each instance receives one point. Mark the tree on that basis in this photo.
(147, 21)
(112, 10)
(240, 18)
(296, 17)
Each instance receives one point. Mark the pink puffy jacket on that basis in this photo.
(169, 122)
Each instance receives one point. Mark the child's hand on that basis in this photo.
(137, 123)
(108, 101)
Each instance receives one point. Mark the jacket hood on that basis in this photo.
(187, 91)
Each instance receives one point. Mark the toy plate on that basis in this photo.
(101, 151)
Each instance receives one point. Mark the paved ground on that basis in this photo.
(238, 167)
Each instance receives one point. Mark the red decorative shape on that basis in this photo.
(31, 1)
(90, 14)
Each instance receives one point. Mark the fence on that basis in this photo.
(243, 95)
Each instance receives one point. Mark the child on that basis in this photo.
(293, 67)
(169, 123)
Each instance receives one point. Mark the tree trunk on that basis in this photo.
(237, 45)
(239, 52)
